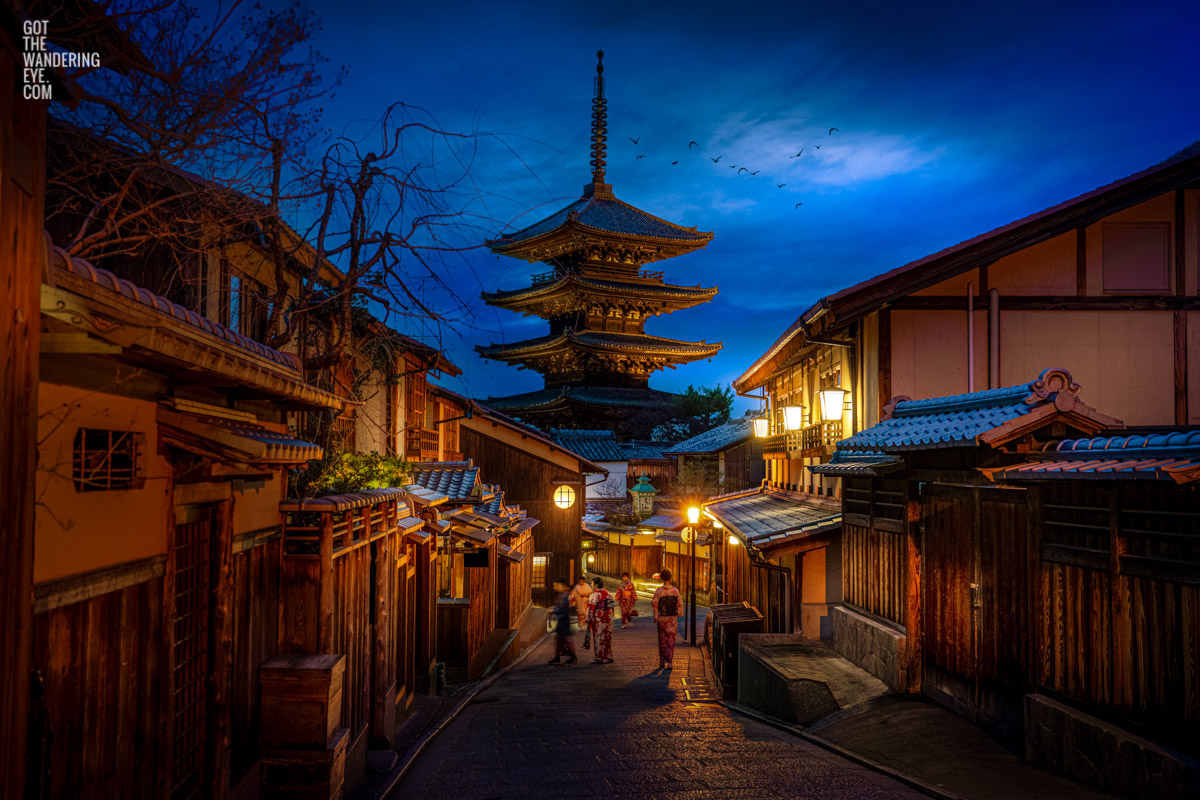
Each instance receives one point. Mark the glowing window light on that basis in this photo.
(564, 497)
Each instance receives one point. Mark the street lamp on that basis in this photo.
(831, 403)
(793, 417)
(760, 427)
(693, 516)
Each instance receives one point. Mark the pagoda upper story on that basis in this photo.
(595, 294)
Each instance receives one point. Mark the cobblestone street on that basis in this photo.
(624, 729)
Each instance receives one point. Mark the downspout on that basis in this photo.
(970, 338)
(993, 339)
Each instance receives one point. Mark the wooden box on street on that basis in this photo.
(305, 774)
(301, 700)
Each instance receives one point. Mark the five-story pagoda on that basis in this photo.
(597, 358)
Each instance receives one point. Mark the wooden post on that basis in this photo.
(221, 654)
(22, 188)
(885, 358)
(325, 587)
(912, 598)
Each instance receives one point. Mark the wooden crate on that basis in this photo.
(301, 700)
(305, 774)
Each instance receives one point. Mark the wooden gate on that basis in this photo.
(980, 574)
(191, 554)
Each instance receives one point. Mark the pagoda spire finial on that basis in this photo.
(599, 145)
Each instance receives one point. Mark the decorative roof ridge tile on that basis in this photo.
(1173, 441)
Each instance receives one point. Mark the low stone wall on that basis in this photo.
(1098, 754)
(878, 648)
(789, 689)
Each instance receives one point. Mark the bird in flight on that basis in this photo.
(715, 160)
(673, 163)
(734, 166)
(756, 172)
(691, 145)
(741, 170)
(831, 130)
(639, 157)
(818, 147)
(797, 206)
(780, 185)
(635, 141)
(798, 154)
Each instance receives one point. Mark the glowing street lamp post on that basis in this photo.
(693, 514)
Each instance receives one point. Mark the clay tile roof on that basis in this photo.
(604, 214)
(457, 480)
(712, 441)
(868, 463)
(768, 517)
(592, 445)
(1173, 455)
(107, 280)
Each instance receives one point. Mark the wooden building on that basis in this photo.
(544, 478)
(729, 458)
(624, 462)
(1035, 582)
(164, 448)
(597, 358)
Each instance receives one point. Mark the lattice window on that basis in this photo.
(105, 460)
(539, 571)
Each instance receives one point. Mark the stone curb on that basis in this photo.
(849, 755)
(410, 757)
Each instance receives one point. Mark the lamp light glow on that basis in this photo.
(564, 497)
(831, 403)
(591, 558)
(761, 425)
(793, 417)
(733, 540)
(693, 515)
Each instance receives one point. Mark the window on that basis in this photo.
(539, 571)
(105, 460)
(1136, 258)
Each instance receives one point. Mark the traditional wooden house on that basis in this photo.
(163, 459)
(597, 358)
(624, 462)
(729, 457)
(1033, 583)
(543, 477)
(781, 553)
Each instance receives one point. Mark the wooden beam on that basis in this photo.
(76, 343)
(1056, 303)
(1181, 368)
(221, 657)
(1081, 261)
(60, 592)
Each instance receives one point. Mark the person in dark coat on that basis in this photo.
(564, 642)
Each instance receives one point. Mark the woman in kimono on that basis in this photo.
(626, 596)
(600, 614)
(666, 604)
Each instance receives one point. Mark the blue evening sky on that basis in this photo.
(954, 118)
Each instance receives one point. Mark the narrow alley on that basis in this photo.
(624, 729)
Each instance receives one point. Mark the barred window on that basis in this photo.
(539, 571)
(105, 460)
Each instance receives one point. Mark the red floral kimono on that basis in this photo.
(600, 614)
(667, 624)
(627, 597)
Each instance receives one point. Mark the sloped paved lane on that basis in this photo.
(628, 730)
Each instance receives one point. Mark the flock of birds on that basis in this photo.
(740, 170)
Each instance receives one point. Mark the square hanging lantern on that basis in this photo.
(693, 515)
(831, 403)
(793, 417)
(760, 426)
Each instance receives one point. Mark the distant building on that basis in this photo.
(597, 358)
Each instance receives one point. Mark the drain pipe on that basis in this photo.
(970, 338)
(993, 339)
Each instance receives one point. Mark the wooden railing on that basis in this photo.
(809, 440)
(422, 443)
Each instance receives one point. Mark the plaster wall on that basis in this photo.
(954, 286)
(929, 352)
(1157, 209)
(370, 433)
(256, 504)
(82, 531)
(1124, 360)
(612, 487)
(1047, 268)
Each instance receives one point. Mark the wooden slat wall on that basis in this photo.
(352, 634)
(519, 580)
(612, 561)
(255, 640)
(646, 561)
(948, 575)
(22, 187)
(103, 689)
(680, 564)
(481, 618)
(452, 632)
(875, 571)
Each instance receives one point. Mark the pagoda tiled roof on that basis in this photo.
(584, 395)
(606, 214)
(644, 288)
(601, 340)
(712, 441)
(594, 445)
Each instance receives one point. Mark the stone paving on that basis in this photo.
(625, 729)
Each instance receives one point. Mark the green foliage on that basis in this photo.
(696, 411)
(354, 472)
(698, 478)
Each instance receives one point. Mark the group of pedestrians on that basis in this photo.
(594, 607)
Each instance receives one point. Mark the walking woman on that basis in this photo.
(626, 596)
(600, 614)
(666, 603)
